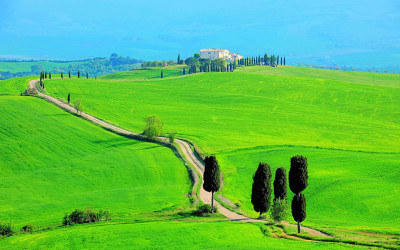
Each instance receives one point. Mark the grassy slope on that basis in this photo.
(143, 74)
(15, 86)
(171, 235)
(14, 67)
(230, 114)
(52, 162)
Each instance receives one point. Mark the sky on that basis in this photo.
(352, 33)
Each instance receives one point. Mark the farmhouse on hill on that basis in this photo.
(219, 53)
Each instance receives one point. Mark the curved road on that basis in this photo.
(188, 154)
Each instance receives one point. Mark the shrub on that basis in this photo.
(172, 137)
(30, 91)
(6, 229)
(204, 210)
(89, 216)
(154, 127)
(28, 228)
(279, 210)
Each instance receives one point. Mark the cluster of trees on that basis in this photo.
(298, 181)
(263, 60)
(88, 216)
(196, 64)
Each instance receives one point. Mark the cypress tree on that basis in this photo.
(261, 190)
(284, 61)
(79, 74)
(45, 75)
(87, 75)
(49, 75)
(281, 60)
(62, 75)
(179, 59)
(69, 74)
(162, 74)
(280, 185)
(299, 209)
(211, 177)
(298, 181)
(69, 97)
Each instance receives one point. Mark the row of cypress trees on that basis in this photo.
(267, 60)
(43, 75)
(262, 189)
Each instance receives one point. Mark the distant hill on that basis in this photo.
(95, 66)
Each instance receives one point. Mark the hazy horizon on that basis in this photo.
(356, 33)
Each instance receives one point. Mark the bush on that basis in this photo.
(204, 210)
(30, 92)
(172, 137)
(279, 210)
(6, 229)
(154, 127)
(28, 228)
(78, 106)
(89, 216)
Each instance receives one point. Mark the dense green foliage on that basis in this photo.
(211, 174)
(247, 117)
(298, 174)
(79, 216)
(261, 190)
(299, 208)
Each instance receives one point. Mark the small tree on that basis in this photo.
(211, 177)
(87, 75)
(45, 75)
(79, 74)
(279, 210)
(69, 74)
(298, 181)
(261, 190)
(62, 75)
(162, 74)
(78, 106)
(154, 126)
(179, 59)
(49, 75)
(69, 97)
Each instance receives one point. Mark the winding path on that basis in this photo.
(188, 154)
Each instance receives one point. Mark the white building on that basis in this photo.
(219, 53)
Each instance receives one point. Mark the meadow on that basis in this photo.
(349, 130)
(53, 162)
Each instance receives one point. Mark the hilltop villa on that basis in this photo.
(219, 53)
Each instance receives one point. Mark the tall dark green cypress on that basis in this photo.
(179, 59)
(284, 61)
(69, 97)
(49, 75)
(79, 74)
(45, 74)
(69, 74)
(261, 190)
(87, 75)
(62, 75)
(298, 181)
(211, 177)
(280, 184)
(162, 74)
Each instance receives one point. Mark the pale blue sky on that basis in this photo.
(365, 33)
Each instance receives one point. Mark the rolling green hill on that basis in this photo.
(349, 130)
(53, 162)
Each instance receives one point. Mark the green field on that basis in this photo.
(15, 67)
(349, 130)
(166, 235)
(53, 162)
(145, 74)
